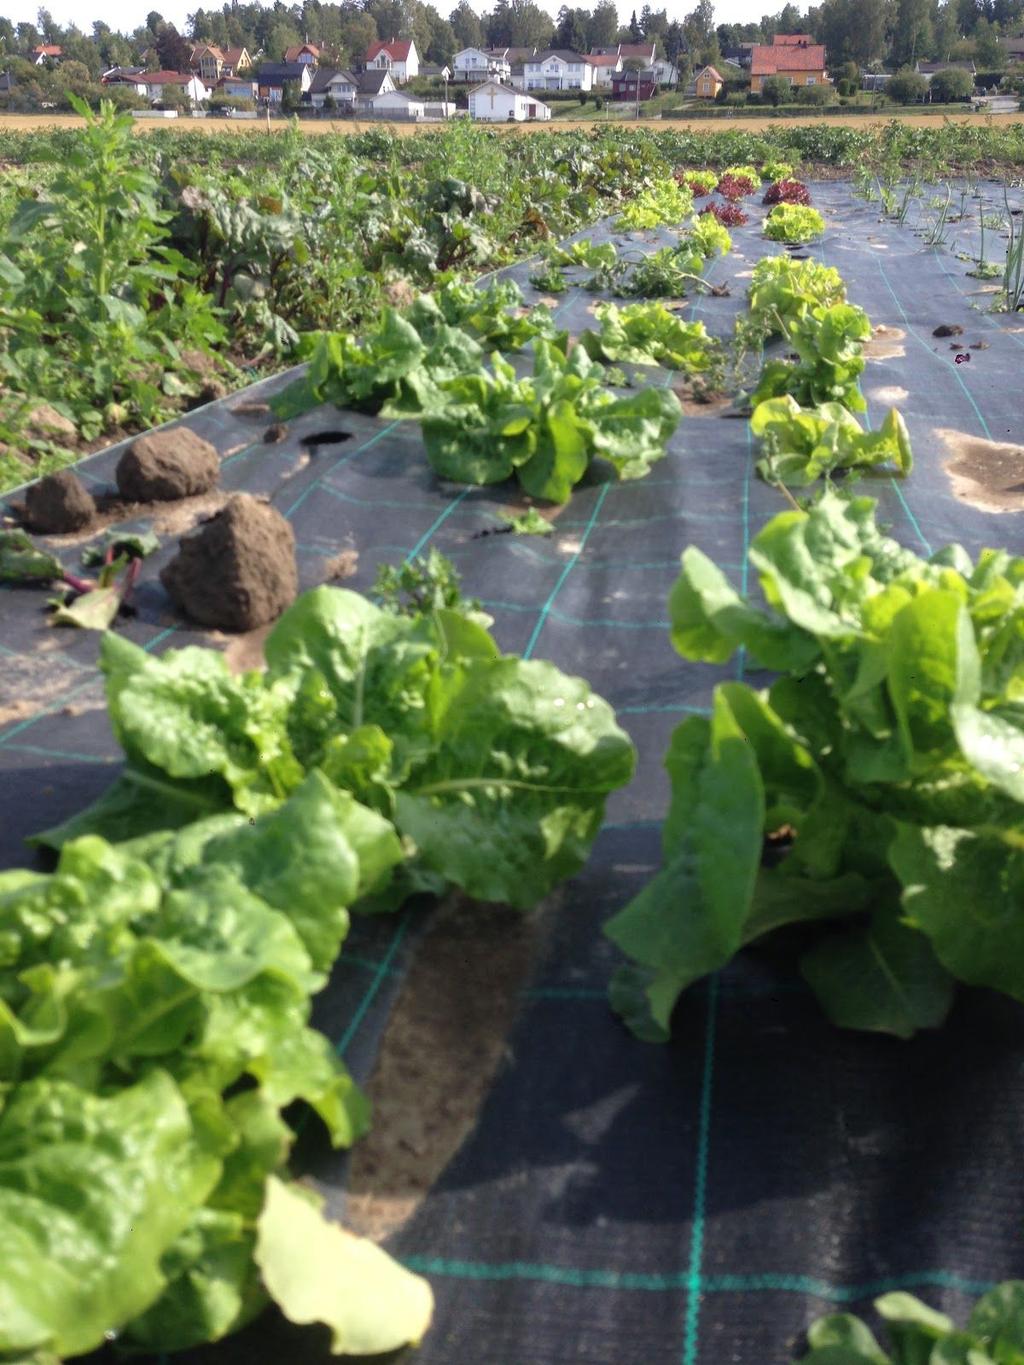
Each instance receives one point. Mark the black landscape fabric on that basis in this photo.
(620, 1203)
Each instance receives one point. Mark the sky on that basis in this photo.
(126, 15)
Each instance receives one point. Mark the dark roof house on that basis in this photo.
(326, 76)
(274, 74)
(373, 82)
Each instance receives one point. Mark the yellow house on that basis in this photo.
(793, 56)
(708, 83)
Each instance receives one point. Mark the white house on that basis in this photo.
(493, 102)
(400, 58)
(372, 84)
(154, 83)
(393, 104)
(340, 87)
(603, 65)
(480, 63)
(558, 69)
(667, 72)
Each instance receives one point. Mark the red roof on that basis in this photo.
(773, 61)
(714, 73)
(163, 78)
(636, 50)
(397, 51)
(48, 50)
(595, 59)
(292, 54)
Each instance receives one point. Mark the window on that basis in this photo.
(810, 80)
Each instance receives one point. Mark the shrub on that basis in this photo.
(775, 90)
(949, 86)
(787, 192)
(736, 99)
(814, 94)
(907, 87)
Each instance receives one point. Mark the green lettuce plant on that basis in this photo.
(154, 1015)
(782, 288)
(492, 770)
(802, 445)
(793, 223)
(545, 429)
(874, 790)
(994, 1334)
(648, 334)
(665, 203)
(829, 347)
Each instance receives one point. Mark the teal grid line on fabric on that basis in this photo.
(342, 460)
(546, 608)
(62, 753)
(557, 615)
(381, 973)
(691, 1323)
(673, 1282)
(987, 318)
(440, 520)
(953, 369)
(402, 503)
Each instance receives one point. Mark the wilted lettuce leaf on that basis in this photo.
(317, 1272)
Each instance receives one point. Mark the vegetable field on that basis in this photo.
(584, 858)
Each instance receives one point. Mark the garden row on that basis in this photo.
(139, 276)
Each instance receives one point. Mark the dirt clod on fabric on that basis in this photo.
(275, 433)
(58, 504)
(443, 1044)
(238, 571)
(948, 329)
(986, 474)
(165, 465)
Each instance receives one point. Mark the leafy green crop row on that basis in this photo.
(155, 990)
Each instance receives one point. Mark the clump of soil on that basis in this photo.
(59, 503)
(238, 571)
(948, 329)
(165, 465)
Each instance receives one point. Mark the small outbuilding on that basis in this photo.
(707, 83)
(493, 102)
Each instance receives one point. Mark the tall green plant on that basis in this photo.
(92, 304)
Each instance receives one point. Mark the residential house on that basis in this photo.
(338, 86)
(214, 62)
(1014, 48)
(371, 84)
(634, 85)
(741, 55)
(875, 81)
(558, 69)
(478, 63)
(125, 75)
(47, 52)
(153, 84)
(493, 102)
(399, 57)
(272, 78)
(646, 52)
(518, 77)
(307, 54)
(604, 65)
(667, 72)
(238, 87)
(928, 69)
(707, 83)
(793, 56)
(394, 104)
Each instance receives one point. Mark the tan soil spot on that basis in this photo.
(701, 405)
(340, 566)
(986, 474)
(886, 343)
(30, 683)
(441, 1049)
(243, 653)
(174, 519)
(251, 409)
(891, 393)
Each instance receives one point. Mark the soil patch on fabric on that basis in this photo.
(886, 343)
(986, 474)
(440, 1051)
